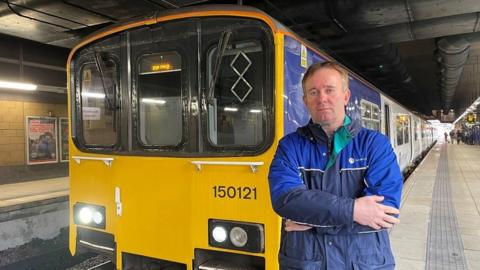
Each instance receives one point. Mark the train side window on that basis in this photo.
(236, 114)
(402, 127)
(370, 115)
(160, 99)
(98, 98)
(399, 129)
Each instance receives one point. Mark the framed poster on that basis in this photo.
(63, 138)
(41, 140)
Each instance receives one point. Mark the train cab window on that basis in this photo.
(99, 104)
(370, 115)
(237, 110)
(402, 129)
(160, 99)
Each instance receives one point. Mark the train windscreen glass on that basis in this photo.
(237, 109)
(160, 99)
(98, 101)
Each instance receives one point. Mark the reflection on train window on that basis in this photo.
(402, 128)
(160, 99)
(99, 103)
(370, 115)
(236, 112)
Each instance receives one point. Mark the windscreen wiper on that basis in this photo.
(221, 47)
(97, 57)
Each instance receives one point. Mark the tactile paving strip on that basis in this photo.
(445, 247)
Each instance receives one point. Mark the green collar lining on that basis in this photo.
(341, 138)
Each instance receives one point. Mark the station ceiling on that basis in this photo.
(423, 53)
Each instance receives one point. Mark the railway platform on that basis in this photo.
(33, 191)
(440, 212)
(35, 209)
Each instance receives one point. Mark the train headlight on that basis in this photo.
(236, 235)
(89, 215)
(85, 215)
(97, 218)
(219, 234)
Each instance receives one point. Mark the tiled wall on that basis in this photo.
(12, 127)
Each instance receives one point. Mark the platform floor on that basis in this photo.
(26, 192)
(440, 212)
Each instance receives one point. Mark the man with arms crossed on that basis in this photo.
(336, 185)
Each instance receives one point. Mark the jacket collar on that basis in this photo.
(341, 137)
(315, 132)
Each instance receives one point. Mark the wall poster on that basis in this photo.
(41, 136)
(63, 138)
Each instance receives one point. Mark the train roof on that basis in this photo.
(218, 10)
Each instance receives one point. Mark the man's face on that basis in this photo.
(325, 98)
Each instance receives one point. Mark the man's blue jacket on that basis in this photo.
(315, 182)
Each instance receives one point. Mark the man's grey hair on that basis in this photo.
(328, 64)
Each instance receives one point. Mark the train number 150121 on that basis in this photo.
(231, 192)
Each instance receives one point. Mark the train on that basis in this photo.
(174, 119)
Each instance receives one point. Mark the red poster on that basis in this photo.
(41, 140)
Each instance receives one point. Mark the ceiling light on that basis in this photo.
(18, 86)
(230, 109)
(153, 101)
(93, 95)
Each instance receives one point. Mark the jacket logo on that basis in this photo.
(353, 160)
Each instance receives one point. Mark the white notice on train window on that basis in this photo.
(303, 56)
(91, 113)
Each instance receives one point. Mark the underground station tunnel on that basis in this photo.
(198, 134)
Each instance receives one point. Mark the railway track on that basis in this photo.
(57, 258)
(108, 265)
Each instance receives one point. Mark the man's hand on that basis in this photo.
(291, 226)
(368, 211)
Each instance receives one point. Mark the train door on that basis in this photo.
(415, 140)
(403, 139)
(409, 140)
(386, 121)
(153, 180)
(419, 137)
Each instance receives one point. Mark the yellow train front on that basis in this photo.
(174, 121)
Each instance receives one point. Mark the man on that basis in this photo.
(452, 136)
(337, 185)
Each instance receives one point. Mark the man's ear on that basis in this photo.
(347, 97)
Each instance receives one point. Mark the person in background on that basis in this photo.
(336, 185)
